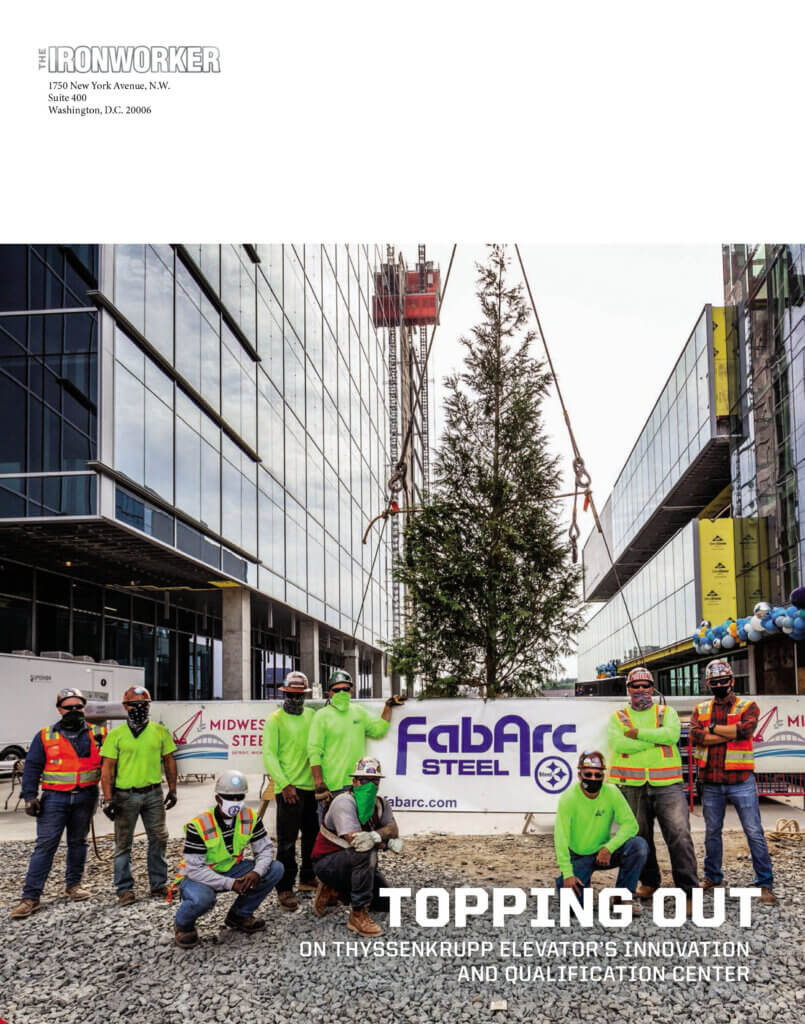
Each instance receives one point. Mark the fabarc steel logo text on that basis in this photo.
(142, 60)
(469, 748)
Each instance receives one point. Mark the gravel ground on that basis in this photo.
(95, 962)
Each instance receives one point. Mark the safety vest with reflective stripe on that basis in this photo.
(64, 769)
(659, 765)
(218, 857)
(739, 755)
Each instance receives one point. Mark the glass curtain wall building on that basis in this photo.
(194, 438)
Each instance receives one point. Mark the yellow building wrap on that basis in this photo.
(717, 570)
(721, 376)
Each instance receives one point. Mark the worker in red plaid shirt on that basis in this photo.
(721, 730)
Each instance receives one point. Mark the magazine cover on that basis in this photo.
(395, 629)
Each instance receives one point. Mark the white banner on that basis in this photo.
(463, 755)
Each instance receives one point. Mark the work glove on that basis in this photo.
(171, 799)
(323, 793)
(396, 701)
(109, 809)
(33, 807)
(364, 841)
(395, 845)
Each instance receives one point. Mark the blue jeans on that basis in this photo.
(628, 859)
(743, 797)
(198, 898)
(129, 807)
(60, 811)
(667, 805)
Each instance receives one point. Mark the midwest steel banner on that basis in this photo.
(463, 755)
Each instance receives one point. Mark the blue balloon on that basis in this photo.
(742, 633)
(767, 623)
(791, 611)
(753, 635)
(728, 642)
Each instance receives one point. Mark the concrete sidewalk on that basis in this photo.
(195, 796)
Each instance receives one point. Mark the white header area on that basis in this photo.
(578, 122)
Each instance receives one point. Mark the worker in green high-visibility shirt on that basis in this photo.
(647, 766)
(337, 739)
(285, 738)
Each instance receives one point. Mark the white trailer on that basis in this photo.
(29, 684)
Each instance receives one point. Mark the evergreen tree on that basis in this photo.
(493, 594)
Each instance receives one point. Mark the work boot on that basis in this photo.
(185, 939)
(767, 896)
(360, 922)
(645, 892)
(77, 892)
(25, 908)
(325, 898)
(244, 924)
(287, 900)
(125, 899)
(708, 884)
(161, 891)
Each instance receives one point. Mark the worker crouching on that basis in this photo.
(357, 825)
(213, 863)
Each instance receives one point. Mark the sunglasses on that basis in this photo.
(588, 773)
(341, 689)
(134, 703)
(641, 686)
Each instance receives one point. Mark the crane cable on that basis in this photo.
(396, 481)
(583, 481)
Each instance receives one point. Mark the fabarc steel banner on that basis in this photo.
(463, 755)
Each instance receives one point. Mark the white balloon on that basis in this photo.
(756, 624)
(754, 634)
(728, 642)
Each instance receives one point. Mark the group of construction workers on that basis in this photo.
(325, 787)
(326, 792)
(645, 785)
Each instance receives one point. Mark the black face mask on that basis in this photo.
(591, 785)
(293, 705)
(722, 690)
(138, 713)
(73, 721)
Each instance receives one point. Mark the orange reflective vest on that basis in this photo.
(659, 765)
(739, 755)
(64, 769)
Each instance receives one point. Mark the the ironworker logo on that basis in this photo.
(553, 774)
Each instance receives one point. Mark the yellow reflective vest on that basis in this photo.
(654, 757)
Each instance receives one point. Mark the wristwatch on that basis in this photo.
(712, 728)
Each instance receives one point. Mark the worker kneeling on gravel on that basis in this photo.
(213, 862)
(582, 833)
(358, 824)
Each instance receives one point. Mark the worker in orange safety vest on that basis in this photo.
(66, 760)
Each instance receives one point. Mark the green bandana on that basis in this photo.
(365, 797)
(340, 700)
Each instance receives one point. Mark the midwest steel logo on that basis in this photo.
(523, 749)
(143, 60)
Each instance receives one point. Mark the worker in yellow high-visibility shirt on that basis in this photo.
(646, 764)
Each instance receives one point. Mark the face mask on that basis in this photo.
(138, 713)
(229, 808)
(722, 690)
(293, 705)
(641, 701)
(340, 700)
(365, 796)
(591, 785)
(73, 720)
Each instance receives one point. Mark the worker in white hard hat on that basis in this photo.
(722, 729)
(132, 761)
(65, 759)
(356, 826)
(215, 841)
(286, 760)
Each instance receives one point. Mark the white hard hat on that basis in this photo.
(231, 783)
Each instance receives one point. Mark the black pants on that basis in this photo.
(667, 805)
(291, 819)
(355, 878)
